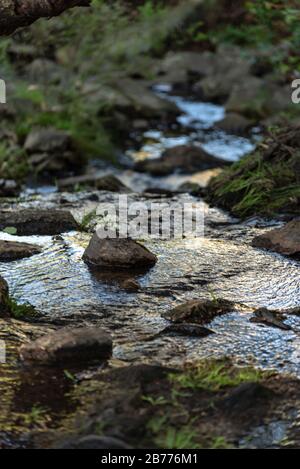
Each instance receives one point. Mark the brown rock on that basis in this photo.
(234, 123)
(199, 311)
(11, 251)
(285, 240)
(183, 158)
(117, 253)
(38, 222)
(68, 346)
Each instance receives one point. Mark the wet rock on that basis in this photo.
(109, 183)
(117, 253)
(285, 240)
(183, 158)
(190, 330)
(38, 222)
(245, 398)
(131, 285)
(234, 123)
(4, 309)
(65, 346)
(191, 188)
(9, 188)
(270, 318)
(199, 311)
(52, 150)
(11, 251)
(94, 442)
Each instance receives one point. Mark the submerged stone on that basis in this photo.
(117, 253)
(67, 346)
(38, 222)
(285, 240)
(270, 318)
(199, 311)
(11, 251)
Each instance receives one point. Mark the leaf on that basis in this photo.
(10, 230)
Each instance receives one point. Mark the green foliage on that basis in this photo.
(215, 375)
(21, 311)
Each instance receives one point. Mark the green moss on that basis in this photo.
(21, 311)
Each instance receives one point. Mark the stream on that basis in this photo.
(223, 263)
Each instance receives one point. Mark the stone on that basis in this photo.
(270, 318)
(11, 251)
(38, 222)
(199, 311)
(187, 329)
(131, 285)
(109, 183)
(52, 150)
(68, 346)
(115, 253)
(182, 158)
(285, 240)
(234, 123)
(9, 188)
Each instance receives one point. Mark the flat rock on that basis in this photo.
(11, 251)
(67, 346)
(199, 311)
(285, 240)
(270, 318)
(38, 222)
(109, 183)
(183, 158)
(117, 253)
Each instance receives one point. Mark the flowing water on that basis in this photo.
(223, 263)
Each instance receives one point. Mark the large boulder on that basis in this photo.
(11, 251)
(68, 346)
(52, 150)
(38, 222)
(285, 240)
(182, 158)
(117, 254)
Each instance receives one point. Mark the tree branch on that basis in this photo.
(19, 13)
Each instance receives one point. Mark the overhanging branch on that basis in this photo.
(18, 13)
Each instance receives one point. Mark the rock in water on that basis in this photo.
(117, 253)
(11, 251)
(38, 222)
(183, 158)
(4, 309)
(270, 318)
(284, 240)
(199, 311)
(68, 346)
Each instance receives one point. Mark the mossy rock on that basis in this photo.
(266, 183)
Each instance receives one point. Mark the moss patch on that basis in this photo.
(265, 183)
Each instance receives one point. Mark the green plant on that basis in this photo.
(21, 311)
(173, 438)
(36, 416)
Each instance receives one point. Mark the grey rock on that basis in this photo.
(199, 311)
(94, 442)
(68, 346)
(234, 123)
(108, 183)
